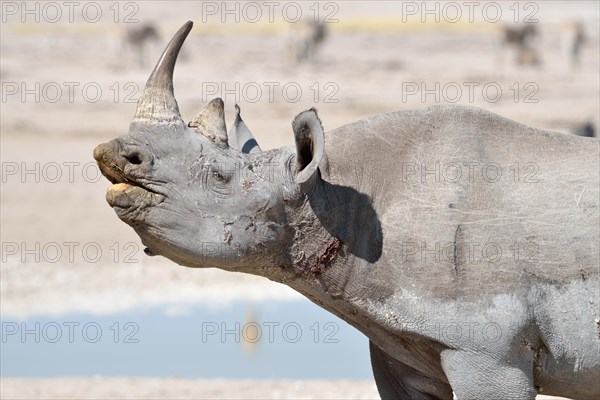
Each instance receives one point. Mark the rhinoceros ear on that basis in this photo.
(310, 141)
(240, 136)
(210, 122)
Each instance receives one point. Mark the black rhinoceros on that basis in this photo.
(464, 245)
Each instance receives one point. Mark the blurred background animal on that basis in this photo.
(572, 39)
(304, 39)
(136, 43)
(587, 130)
(522, 39)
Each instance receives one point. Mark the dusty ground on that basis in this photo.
(54, 220)
(173, 388)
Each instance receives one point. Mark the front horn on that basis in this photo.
(157, 104)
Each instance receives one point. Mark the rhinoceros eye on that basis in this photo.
(219, 180)
(219, 175)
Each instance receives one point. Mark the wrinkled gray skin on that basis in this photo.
(342, 220)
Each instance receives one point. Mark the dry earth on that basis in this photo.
(173, 388)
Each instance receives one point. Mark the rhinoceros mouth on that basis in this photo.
(126, 192)
(128, 196)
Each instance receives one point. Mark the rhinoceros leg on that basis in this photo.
(481, 376)
(396, 380)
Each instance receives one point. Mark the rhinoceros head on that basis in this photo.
(196, 194)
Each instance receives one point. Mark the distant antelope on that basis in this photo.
(572, 38)
(304, 38)
(136, 39)
(522, 39)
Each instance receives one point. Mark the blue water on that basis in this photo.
(298, 340)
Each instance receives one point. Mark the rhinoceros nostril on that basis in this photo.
(133, 158)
